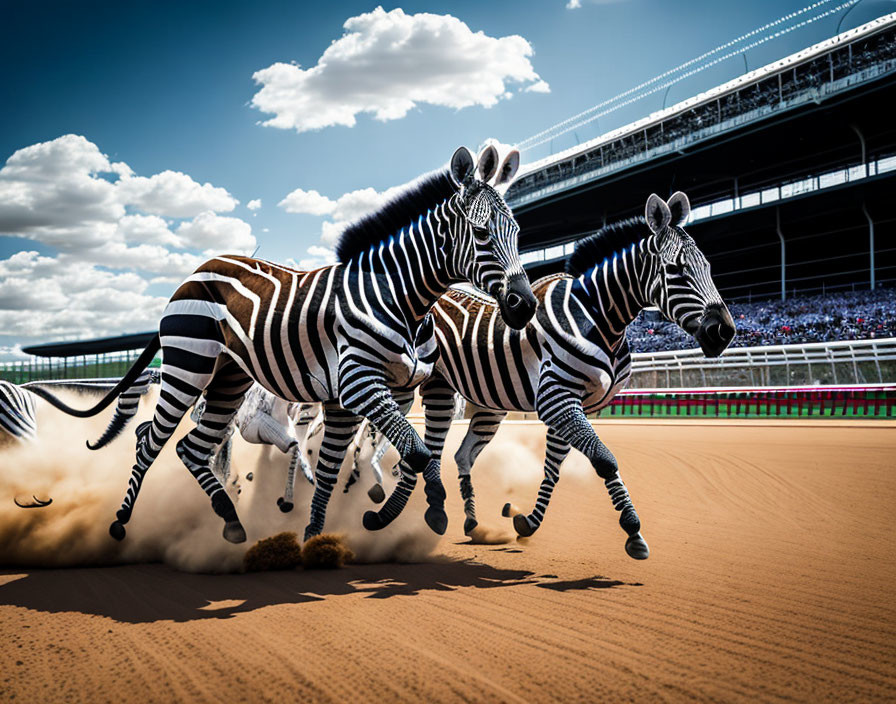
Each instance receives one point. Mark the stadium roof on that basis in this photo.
(100, 345)
(713, 93)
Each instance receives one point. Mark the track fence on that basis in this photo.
(872, 401)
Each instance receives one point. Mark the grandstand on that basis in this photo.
(789, 169)
(78, 359)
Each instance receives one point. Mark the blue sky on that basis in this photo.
(170, 149)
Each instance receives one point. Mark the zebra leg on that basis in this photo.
(483, 426)
(285, 502)
(357, 443)
(339, 429)
(418, 460)
(363, 390)
(380, 446)
(185, 372)
(223, 397)
(303, 428)
(556, 451)
(221, 463)
(559, 408)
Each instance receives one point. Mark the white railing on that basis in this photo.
(842, 362)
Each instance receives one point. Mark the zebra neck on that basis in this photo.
(413, 266)
(614, 291)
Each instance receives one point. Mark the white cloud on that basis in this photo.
(386, 63)
(254, 204)
(71, 300)
(318, 257)
(114, 234)
(573, 4)
(54, 193)
(342, 211)
(310, 202)
(174, 194)
(216, 233)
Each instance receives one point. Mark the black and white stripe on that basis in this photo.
(573, 357)
(17, 412)
(346, 335)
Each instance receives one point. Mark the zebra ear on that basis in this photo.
(657, 214)
(680, 207)
(508, 170)
(462, 166)
(488, 163)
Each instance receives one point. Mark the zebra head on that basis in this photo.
(682, 287)
(484, 240)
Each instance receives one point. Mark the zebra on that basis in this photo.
(17, 410)
(573, 357)
(345, 335)
(17, 417)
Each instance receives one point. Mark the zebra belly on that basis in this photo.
(510, 390)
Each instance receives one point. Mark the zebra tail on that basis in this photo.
(126, 382)
(113, 430)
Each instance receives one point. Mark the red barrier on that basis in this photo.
(873, 401)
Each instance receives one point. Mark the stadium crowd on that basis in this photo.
(828, 317)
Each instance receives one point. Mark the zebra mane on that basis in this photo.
(414, 199)
(610, 239)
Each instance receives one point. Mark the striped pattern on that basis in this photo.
(570, 360)
(17, 412)
(348, 335)
(126, 408)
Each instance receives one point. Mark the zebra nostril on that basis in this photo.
(514, 300)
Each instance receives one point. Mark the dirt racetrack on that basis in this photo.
(771, 578)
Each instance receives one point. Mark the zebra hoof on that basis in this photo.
(285, 506)
(470, 525)
(509, 511)
(377, 494)
(522, 526)
(234, 532)
(629, 521)
(437, 520)
(636, 547)
(372, 521)
(117, 531)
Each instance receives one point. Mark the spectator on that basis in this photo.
(822, 318)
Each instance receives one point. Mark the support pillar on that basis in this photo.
(783, 254)
(870, 242)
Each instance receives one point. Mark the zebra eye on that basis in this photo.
(481, 233)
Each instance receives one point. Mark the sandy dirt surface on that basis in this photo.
(771, 578)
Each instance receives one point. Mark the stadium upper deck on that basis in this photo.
(795, 159)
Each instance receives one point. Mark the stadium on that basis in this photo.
(762, 474)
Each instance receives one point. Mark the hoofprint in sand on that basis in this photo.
(771, 578)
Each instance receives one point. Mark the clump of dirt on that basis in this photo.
(279, 552)
(325, 551)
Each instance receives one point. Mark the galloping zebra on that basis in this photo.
(17, 412)
(573, 357)
(345, 335)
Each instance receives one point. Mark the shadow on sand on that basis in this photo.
(147, 593)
